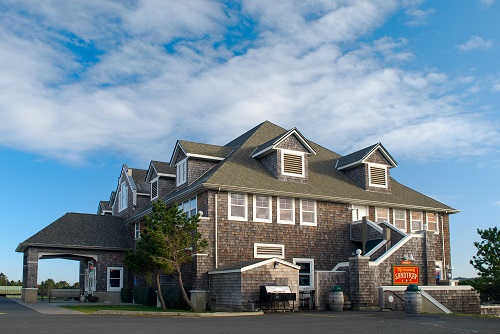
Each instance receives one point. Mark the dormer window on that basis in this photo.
(292, 163)
(377, 175)
(123, 199)
(182, 172)
(154, 189)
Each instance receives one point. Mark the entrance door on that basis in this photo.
(358, 212)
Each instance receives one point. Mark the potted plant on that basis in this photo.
(90, 296)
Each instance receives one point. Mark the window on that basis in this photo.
(237, 207)
(306, 272)
(137, 230)
(262, 209)
(381, 215)
(416, 221)
(400, 219)
(115, 278)
(292, 163)
(123, 198)
(432, 222)
(266, 251)
(358, 212)
(286, 211)
(377, 175)
(189, 207)
(154, 189)
(181, 172)
(308, 212)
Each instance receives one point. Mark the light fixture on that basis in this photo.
(410, 257)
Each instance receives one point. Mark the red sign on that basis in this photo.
(405, 274)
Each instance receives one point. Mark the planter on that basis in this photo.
(92, 299)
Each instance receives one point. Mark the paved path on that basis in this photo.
(47, 308)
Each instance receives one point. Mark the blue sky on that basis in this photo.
(89, 85)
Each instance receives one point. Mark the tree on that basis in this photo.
(487, 263)
(3, 279)
(169, 240)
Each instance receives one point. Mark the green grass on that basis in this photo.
(133, 307)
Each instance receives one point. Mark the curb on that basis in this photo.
(179, 314)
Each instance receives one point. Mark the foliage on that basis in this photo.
(144, 295)
(169, 239)
(126, 295)
(4, 280)
(487, 263)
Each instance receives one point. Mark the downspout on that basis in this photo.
(443, 272)
(216, 239)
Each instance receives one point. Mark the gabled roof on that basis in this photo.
(199, 150)
(82, 231)
(360, 156)
(160, 168)
(243, 266)
(276, 141)
(139, 183)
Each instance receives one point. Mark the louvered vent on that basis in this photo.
(377, 176)
(269, 250)
(292, 164)
(154, 189)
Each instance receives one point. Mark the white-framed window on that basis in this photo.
(123, 198)
(115, 278)
(306, 272)
(399, 219)
(286, 210)
(432, 222)
(381, 215)
(154, 189)
(238, 204)
(377, 175)
(181, 172)
(308, 212)
(416, 220)
(262, 208)
(292, 163)
(439, 271)
(266, 251)
(189, 207)
(137, 230)
(358, 212)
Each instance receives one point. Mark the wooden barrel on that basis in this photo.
(336, 301)
(413, 302)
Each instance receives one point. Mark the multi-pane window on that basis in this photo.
(286, 210)
(400, 219)
(432, 222)
(308, 212)
(123, 197)
(189, 207)
(262, 208)
(416, 221)
(181, 172)
(137, 230)
(115, 278)
(381, 215)
(306, 272)
(237, 206)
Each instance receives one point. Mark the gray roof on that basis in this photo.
(163, 167)
(139, 177)
(359, 156)
(82, 231)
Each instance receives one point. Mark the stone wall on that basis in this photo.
(491, 310)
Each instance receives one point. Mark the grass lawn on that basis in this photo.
(132, 307)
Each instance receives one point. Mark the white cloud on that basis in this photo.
(487, 3)
(135, 98)
(474, 43)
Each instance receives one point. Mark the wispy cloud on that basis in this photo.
(487, 3)
(131, 78)
(474, 43)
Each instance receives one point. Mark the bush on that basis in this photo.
(173, 298)
(126, 295)
(144, 295)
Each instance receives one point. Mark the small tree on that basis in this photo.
(487, 263)
(169, 240)
(3, 279)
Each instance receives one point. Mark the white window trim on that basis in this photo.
(268, 256)
(394, 219)
(437, 221)
(306, 260)
(157, 188)
(137, 230)
(123, 197)
(292, 222)
(421, 221)
(260, 220)
(301, 154)
(109, 288)
(376, 217)
(315, 222)
(229, 213)
(384, 167)
(181, 172)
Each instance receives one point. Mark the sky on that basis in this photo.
(87, 86)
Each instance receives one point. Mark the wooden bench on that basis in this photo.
(68, 293)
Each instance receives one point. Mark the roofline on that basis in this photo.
(386, 154)
(344, 200)
(274, 145)
(255, 265)
(23, 246)
(201, 156)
